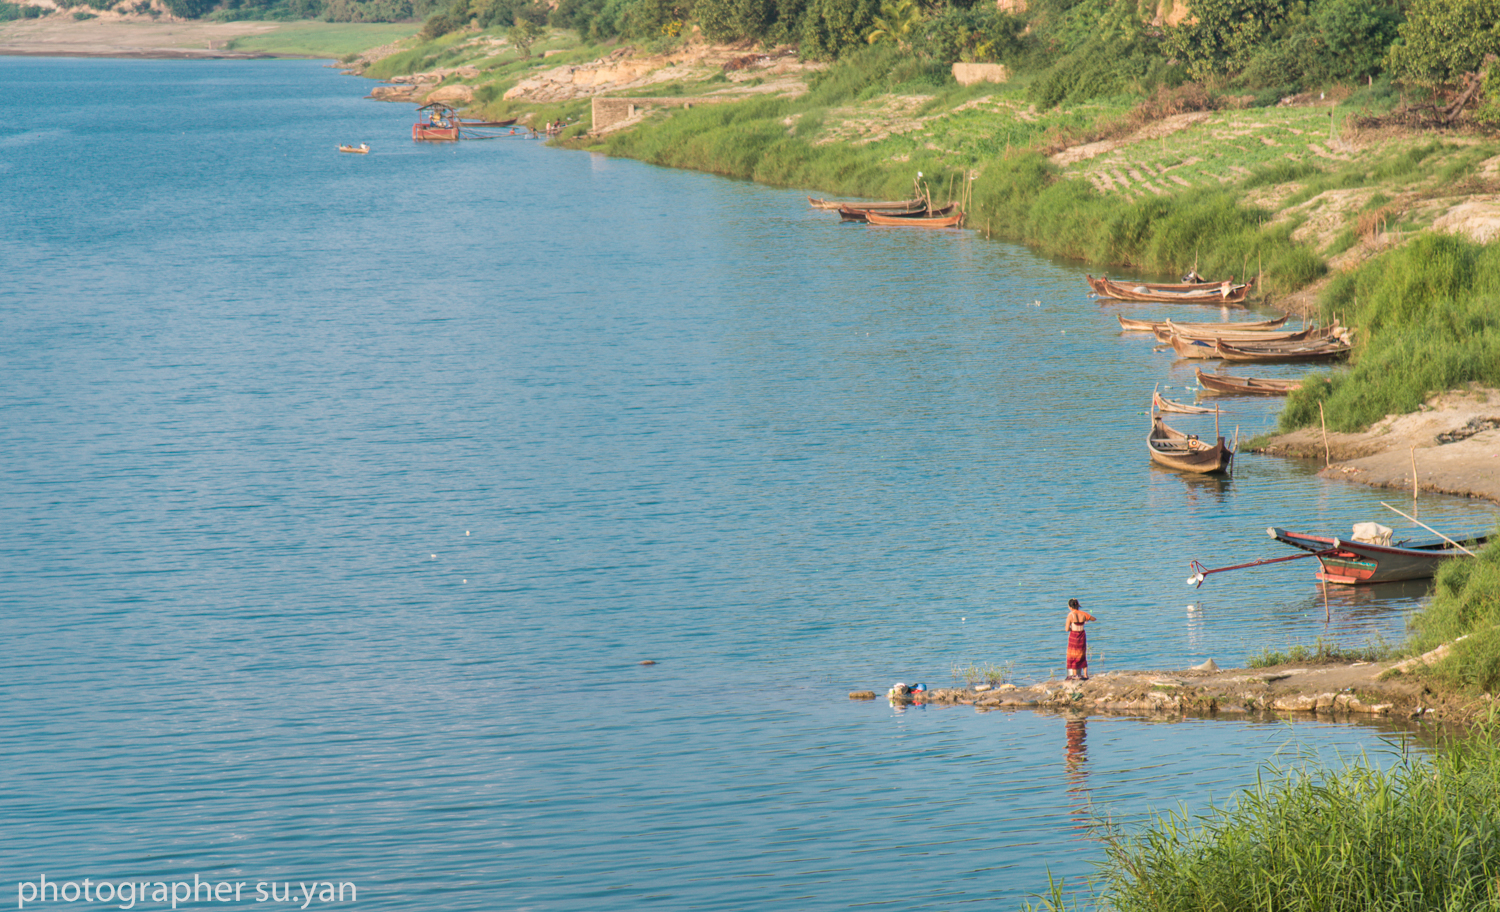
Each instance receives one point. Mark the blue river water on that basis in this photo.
(345, 496)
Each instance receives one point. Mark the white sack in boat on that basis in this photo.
(1372, 534)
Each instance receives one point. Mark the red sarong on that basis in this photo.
(1078, 651)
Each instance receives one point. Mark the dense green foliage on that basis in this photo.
(1427, 319)
(10, 12)
(1444, 38)
(1418, 836)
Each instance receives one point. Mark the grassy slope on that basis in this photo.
(323, 39)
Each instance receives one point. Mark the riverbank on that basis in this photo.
(1343, 691)
(112, 35)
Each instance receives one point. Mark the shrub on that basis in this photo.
(1442, 39)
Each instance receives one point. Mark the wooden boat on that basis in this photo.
(1245, 386)
(860, 215)
(941, 221)
(442, 124)
(361, 149)
(1128, 325)
(1353, 563)
(1162, 404)
(1307, 350)
(900, 206)
(1254, 337)
(434, 133)
(488, 124)
(1167, 286)
(1185, 452)
(1222, 293)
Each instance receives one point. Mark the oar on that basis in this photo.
(1430, 529)
(1199, 571)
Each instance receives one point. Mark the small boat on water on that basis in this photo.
(1128, 325)
(1163, 404)
(1323, 349)
(1371, 557)
(487, 124)
(1185, 452)
(955, 220)
(1254, 337)
(862, 215)
(900, 206)
(1205, 293)
(442, 124)
(361, 149)
(1245, 386)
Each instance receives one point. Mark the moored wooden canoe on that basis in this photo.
(943, 221)
(1185, 452)
(1246, 386)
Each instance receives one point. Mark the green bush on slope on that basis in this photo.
(1427, 319)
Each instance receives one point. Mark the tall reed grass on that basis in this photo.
(1419, 836)
(1427, 319)
(1465, 603)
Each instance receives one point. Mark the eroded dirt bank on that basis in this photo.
(1453, 444)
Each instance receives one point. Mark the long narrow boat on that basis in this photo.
(1185, 452)
(1254, 337)
(1308, 350)
(1245, 386)
(1128, 325)
(943, 221)
(901, 206)
(1352, 563)
(1222, 293)
(488, 124)
(862, 215)
(1169, 286)
(1163, 404)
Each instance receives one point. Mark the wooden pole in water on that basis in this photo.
(1324, 421)
(1414, 479)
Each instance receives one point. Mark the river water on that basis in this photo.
(344, 496)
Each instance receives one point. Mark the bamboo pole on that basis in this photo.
(1429, 529)
(1324, 421)
(1414, 479)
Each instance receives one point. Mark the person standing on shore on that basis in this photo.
(1078, 641)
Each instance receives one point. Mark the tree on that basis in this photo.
(1221, 36)
(896, 22)
(1443, 39)
(524, 34)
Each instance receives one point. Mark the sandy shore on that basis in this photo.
(1453, 442)
(58, 36)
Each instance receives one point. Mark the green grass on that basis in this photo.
(324, 39)
(1322, 652)
(1427, 319)
(991, 673)
(1465, 603)
(1420, 835)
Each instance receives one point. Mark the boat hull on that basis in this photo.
(1348, 563)
(1213, 294)
(948, 221)
(429, 133)
(1181, 452)
(1245, 386)
(1244, 354)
